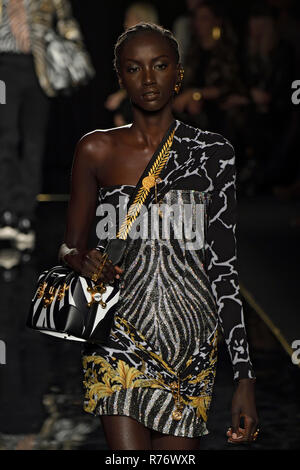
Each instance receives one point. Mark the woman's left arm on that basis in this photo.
(221, 249)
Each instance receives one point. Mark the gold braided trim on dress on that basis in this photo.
(147, 183)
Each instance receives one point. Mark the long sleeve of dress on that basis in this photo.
(221, 249)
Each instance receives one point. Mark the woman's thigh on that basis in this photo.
(166, 442)
(125, 433)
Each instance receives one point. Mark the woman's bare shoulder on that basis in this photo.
(100, 142)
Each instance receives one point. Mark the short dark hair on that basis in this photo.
(143, 28)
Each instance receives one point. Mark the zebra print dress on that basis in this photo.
(179, 284)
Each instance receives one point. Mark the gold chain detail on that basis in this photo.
(148, 183)
(177, 413)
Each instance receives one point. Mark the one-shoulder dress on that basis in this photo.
(180, 283)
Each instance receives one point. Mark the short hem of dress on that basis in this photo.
(153, 428)
(102, 409)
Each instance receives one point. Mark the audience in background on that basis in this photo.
(212, 75)
(268, 68)
(182, 28)
(237, 85)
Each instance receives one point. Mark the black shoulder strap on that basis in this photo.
(140, 195)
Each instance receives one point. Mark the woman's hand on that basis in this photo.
(87, 263)
(243, 405)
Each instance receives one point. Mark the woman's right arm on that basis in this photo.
(82, 209)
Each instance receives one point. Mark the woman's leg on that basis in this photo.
(166, 442)
(125, 433)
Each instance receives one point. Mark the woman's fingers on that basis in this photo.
(119, 270)
(235, 423)
(250, 428)
(94, 260)
(240, 434)
(247, 434)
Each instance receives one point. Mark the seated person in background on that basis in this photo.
(212, 90)
(268, 74)
(182, 29)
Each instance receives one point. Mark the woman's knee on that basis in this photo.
(125, 433)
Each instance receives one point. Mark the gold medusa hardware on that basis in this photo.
(96, 293)
(49, 296)
(148, 182)
(62, 290)
(41, 290)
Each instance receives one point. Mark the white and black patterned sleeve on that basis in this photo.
(221, 253)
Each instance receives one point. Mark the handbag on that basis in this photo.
(74, 307)
(68, 64)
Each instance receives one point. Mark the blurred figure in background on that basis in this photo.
(287, 26)
(213, 92)
(24, 25)
(268, 74)
(139, 12)
(182, 28)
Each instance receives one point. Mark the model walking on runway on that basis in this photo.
(152, 384)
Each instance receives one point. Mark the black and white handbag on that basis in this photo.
(74, 307)
(68, 64)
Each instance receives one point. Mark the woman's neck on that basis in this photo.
(151, 127)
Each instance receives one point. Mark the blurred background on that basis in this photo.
(242, 64)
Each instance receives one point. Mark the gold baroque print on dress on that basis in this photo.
(104, 377)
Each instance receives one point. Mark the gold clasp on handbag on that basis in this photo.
(41, 289)
(96, 293)
(99, 289)
(62, 290)
(49, 296)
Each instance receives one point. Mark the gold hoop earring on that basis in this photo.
(179, 83)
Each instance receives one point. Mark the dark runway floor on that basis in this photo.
(40, 388)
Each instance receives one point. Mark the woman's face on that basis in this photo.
(148, 70)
